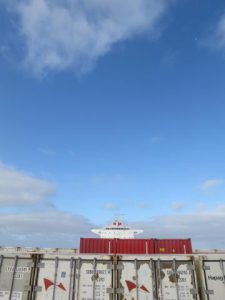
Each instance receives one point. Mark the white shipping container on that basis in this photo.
(150, 279)
(15, 277)
(55, 279)
(94, 279)
(214, 279)
(136, 280)
(176, 280)
(63, 275)
(73, 278)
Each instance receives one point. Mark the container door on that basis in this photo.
(136, 280)
(15, 278)
(93, 280)
(214, 279)
(176, 280)
(55, 279)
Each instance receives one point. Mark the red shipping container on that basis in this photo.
(97, 245)
(116, 246)
(135, 246)
(173, 246)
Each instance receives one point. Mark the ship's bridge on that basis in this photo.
(117, 230)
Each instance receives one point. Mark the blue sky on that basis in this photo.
(104, 115)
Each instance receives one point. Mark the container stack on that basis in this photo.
(135, 246)
(65, 274)
(114, 267)
(118, 238)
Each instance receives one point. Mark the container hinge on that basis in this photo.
(209, 292)
(38, 288)
(41, 265)
(27, 288)
(206, 268)
(115, 291)
(193, 292)
(71, 263)
(110, 290)
(120, 266)
(119, 291)
(110, 267)
(190, 268)
(30, 265)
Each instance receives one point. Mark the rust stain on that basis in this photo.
(95, 277)
(166, 265)
(162, 274)
(173, 278)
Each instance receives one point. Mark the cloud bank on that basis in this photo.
(20, 189)
(206, 229)
(50, 227)
(63, 229)
(62, 34)
(43, 229)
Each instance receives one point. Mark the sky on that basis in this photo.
(112, 109)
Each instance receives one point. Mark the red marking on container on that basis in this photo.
(61, 286)
(130, 285)
(144, 289)
(48, 283)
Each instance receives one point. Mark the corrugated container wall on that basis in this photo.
(135, 246)
(101, 246)
(170, 246)
(116, 246)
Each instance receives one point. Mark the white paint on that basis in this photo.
(19, 269)
(215, 280)
(63, 277)
(102, 276)
(144, 274)
(168, 288)
(4, 295)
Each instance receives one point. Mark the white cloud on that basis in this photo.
(201, 207)
(207, 229)
(110, 206)
(220, 33)
(211, 184)
(18, 188)
(61, 34)
(60, 229)
(216, 37)
(177, 206)
(43, 229)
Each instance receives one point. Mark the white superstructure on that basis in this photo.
(117, 230)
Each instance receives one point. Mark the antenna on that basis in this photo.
(119, 216)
